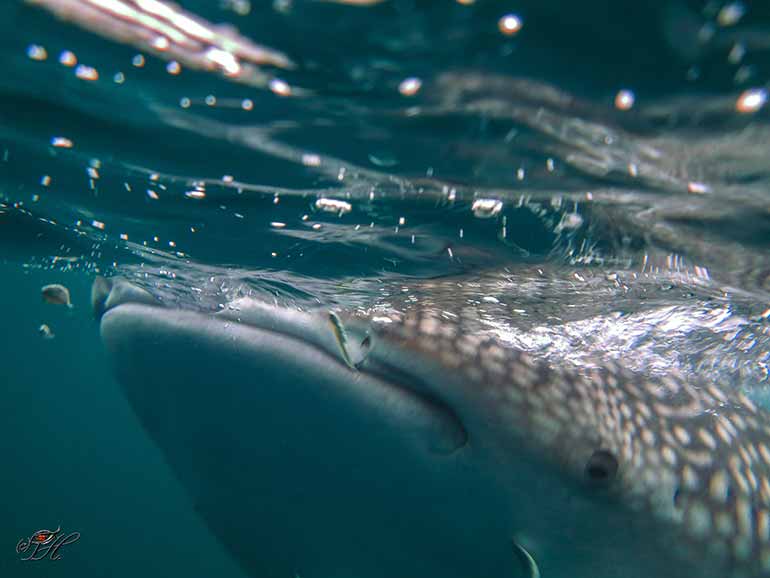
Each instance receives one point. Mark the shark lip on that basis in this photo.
(279, 439)
(107, 294)
(319, 331)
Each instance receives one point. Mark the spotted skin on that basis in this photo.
(670, 476)
(687, 458)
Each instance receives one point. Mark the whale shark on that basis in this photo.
(372, 444)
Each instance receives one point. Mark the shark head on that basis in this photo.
(680, 469)
(341, 444)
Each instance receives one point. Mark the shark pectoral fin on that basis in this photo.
(529, 563)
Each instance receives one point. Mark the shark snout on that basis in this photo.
(107, 294)
(293, 355)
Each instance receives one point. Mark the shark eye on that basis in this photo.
(602, 467)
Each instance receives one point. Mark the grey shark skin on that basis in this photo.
(334, 446)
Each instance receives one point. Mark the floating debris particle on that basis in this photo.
(751, 100)
(240, 7)
(333, 206)
(45, 332)
(84, 72)
(730, 14)
(696, 188)
(247, 104)
(37, 52)
(509, 24)
(97, 225)
(311, 160)
(280, 87)
(61, 142)
(737, 52)
(45, 180)
(410, 86)
(486, 208)
(173, 68)
(277, 225)
(68, 58)
(624, 100)
(196, 194)
(744, 74)
(56, 294)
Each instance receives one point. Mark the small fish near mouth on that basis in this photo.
(57, 295)
(46, 332)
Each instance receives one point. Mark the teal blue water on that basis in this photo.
(76, 457)
(192, 181)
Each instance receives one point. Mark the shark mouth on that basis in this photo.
(319, 340)
(287, 433)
